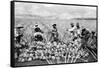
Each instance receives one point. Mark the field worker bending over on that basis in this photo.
(38, 33)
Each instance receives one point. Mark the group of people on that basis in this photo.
(55, 49)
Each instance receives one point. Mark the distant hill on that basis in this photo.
(49, 17)
(85, 18)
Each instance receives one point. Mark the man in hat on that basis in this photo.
(78, 29)
(18, 34)
(54, 33)
(71, 30)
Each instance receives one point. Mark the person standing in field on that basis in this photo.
(78, 29)
(72, 31)
(77, 33)
(54, 33)
(18, 34)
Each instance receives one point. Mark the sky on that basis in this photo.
(55, 10)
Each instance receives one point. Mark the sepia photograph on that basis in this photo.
(54, 33)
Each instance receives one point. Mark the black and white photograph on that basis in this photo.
(53, 33)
